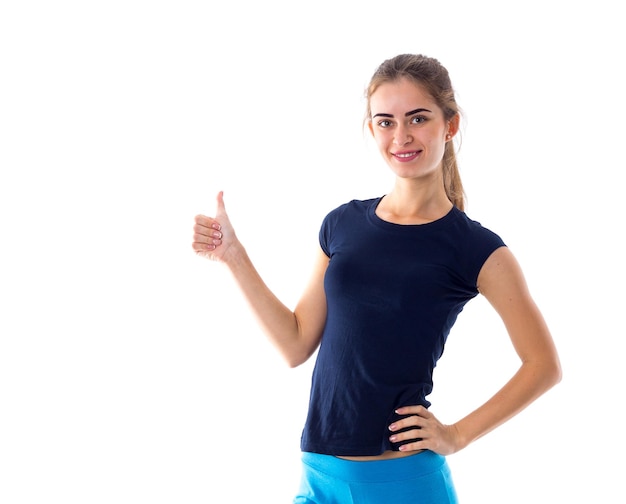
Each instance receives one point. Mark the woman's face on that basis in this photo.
(409, 129)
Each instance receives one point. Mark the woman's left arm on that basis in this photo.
(502, 282)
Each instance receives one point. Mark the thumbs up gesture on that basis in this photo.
(213, 237)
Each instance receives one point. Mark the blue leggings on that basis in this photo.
(423, 478)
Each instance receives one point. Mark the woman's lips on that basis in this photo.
(406, 156)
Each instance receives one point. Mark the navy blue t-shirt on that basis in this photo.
(393, 293)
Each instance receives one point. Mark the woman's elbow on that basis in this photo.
(552, 373)
(293, 361)
(557, 372)
(296, 357)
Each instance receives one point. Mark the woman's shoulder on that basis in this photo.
(348, 213)
(471, 225)
(355, 205)
(475, 241)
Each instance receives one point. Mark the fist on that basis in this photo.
(213, 236)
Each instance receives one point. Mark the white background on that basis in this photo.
(130, 369)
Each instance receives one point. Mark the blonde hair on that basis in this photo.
(433, 77)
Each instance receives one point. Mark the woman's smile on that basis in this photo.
(406, 156)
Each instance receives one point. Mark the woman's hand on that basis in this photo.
(422, 424)
(214, 237)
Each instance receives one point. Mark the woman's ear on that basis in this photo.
(453, 126)
(370, 126)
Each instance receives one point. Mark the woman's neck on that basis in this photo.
(404, 205)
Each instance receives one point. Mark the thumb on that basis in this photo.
(221, 208)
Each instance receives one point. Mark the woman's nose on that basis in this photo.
(402, 136)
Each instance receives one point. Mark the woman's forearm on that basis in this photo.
(530, 382)
(295, 333)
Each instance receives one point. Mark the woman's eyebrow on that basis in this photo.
(416, 111)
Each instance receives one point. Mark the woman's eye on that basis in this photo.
(384, 123)
(418, 119)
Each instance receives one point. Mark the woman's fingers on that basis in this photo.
(214, 236)
(207, 234)
(424, 431)
(415, 413)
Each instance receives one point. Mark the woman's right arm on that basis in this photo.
(295, 333)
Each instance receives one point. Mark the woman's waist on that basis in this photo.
(386, 455)
(376, 469)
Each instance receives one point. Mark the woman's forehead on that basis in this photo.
(402, 95)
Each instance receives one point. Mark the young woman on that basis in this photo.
(392, 275)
